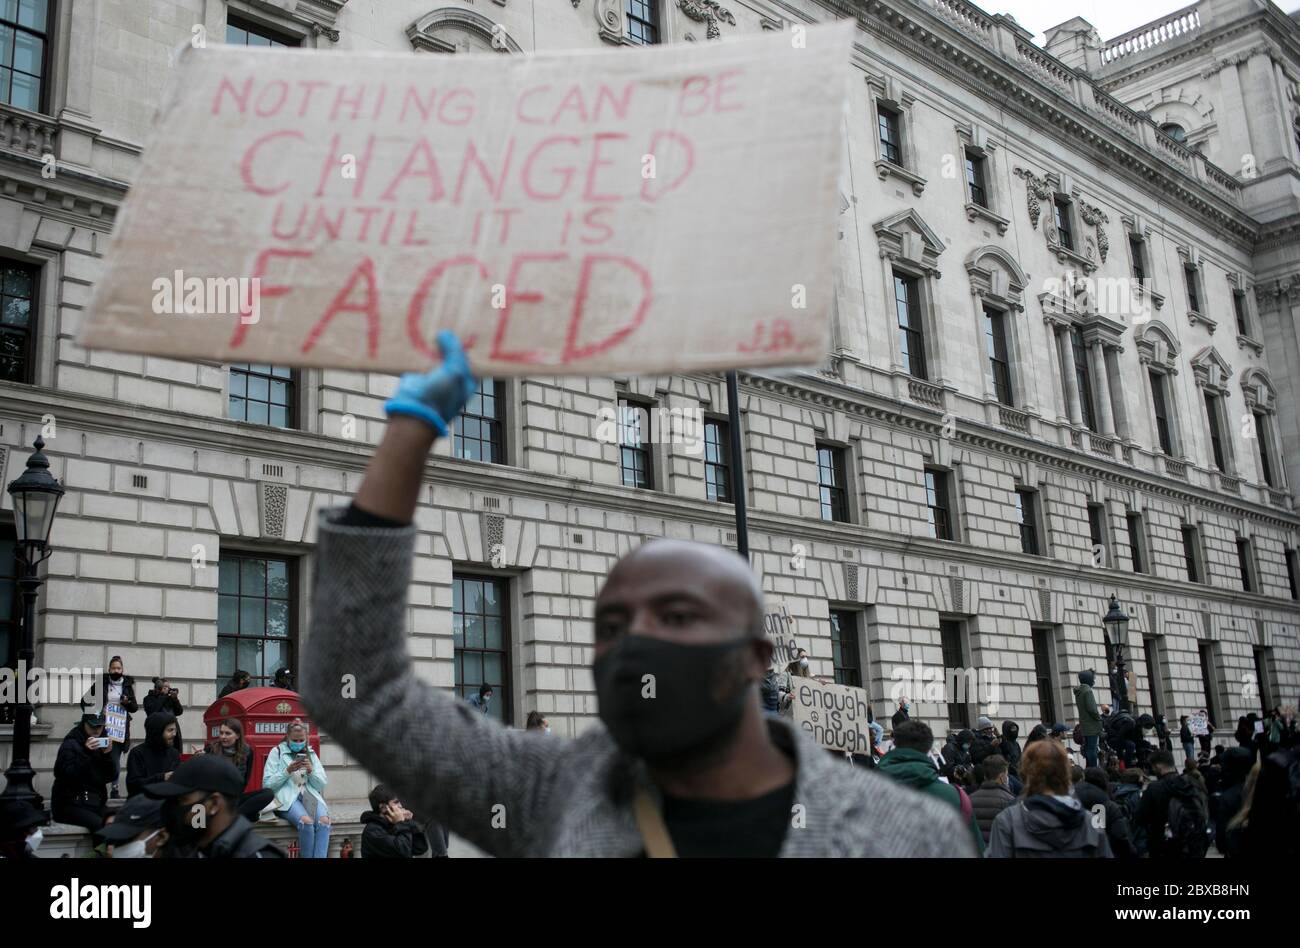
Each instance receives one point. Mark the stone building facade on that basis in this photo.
(1008, 430)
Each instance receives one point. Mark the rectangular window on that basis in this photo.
(642, 21)
(911, 334)
(1097, 532)
(1137, 542)
(951, 635)
(24, 42)
(891, 139)
(1137, 250)
(257, 604)
(1239, 306)
(1083, 378)
(1216, 432)
(1293, 572)
(995, 342)
(1193, 289)
(1043, 645)
(938, 502)
(717, 460)
(832, 483)
(263, 394)
(479, 433)
(844, 648)
(1192, 554)
(1155, 675)
(242, 33)
(1061, 217)
(1263, 678)
(635, 465)
(480, 630)
(1027, 512)
(1265, 457)
(1164, 434)
(1208, 684)
(18, 296)
(1246, 563)
(975, 179)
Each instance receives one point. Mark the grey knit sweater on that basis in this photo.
(512, 793)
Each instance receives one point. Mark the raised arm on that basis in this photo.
(480, 780)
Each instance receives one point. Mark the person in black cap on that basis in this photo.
(200, 812)
(284, 679)
(82, 770)
(20, 829)
(137, 832)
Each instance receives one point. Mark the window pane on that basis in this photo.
(472, 668)
(225, 657)
(28, 52)
(277, 618)
(276, 656)
(473, 631)
(492, 670)
(277, 579)
(250, 657)
(227, 614)
(259, 413)
(252, 577)
(252, 616)
(25, 92)
(31, 13)
(494, 629)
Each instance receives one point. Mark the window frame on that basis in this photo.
(1191, 280)
(293, 381)
(47, 64)
(889, 118)
(32, 330)
(1291, 561)
(723, 447)
(838, 468)
(654, 24)
(977, 187)
(958, 712)
(505, 692)
(1193, 554)
(498, 421)
(1028, 501)
(273, 36)
(645, 445)
(1044, 678)
(839, 640)
(911, 333)
(1263, 451)
(1139, 546)
(941, 489)
(1083, 379)
(1166, 440)
(1099, 530)
(1137, 251)
(1246, 565)
(1220, 448)
(1210, 681)
(293, 578)
(1063, 221)
(1000, 362)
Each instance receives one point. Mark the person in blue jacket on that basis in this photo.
(297, 777)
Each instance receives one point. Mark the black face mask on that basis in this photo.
(115, 676)
(179, 820)
(683, 719)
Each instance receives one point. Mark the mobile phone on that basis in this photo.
(102, 742)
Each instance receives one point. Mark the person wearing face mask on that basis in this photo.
(903, 713)
(200, 813)
(297, 777)
(157, 757)
(230, 745)
(115, 687)
(82, 770)
(137, 831)
(20, 829)
(536, 722)
(698, 770)
(482, 699)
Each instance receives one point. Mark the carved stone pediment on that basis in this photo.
(996, 277)
(905, 236)
(319, 16)
(1211, 370)
(1156, 345)
(1259, 392)
(456, 30)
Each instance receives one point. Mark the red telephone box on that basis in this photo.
(266, 714)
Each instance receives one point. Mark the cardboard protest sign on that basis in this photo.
(1198, 722)
(778, 626)
(662, 209)
(115, 723)
(835, 716)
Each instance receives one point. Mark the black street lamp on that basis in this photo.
(36, 498)
(1116, 623)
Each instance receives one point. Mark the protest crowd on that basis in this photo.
(715, 766)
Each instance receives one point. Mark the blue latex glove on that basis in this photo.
(436, 397)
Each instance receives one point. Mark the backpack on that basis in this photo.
(1077, 736)
(1187, 830)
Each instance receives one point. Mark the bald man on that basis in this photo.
(682, 763)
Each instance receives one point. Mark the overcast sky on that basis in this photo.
(1110, 17)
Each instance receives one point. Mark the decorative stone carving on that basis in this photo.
(708, 12)
(995, 276)
(905, 236)
(1037, 190)
(1156, 346)
(1096, 217)
(273, 499)
(851, 581)
(609, 21)
(319, 16)
(452, 29)
(1258, 390)
(1211, 370)
(493, 529)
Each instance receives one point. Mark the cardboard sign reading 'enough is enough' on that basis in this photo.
(835, 716)
(579, 213)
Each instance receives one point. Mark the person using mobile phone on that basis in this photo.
(82, 769)
(389, 830)
(297, 777)
(163, 697)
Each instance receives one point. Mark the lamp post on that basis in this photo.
(36, 496)
(1116, 623)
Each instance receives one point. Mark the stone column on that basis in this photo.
(1118, 404)
(1101, 383)
(1065, 351)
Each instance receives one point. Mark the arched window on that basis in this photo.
(1175, 131)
